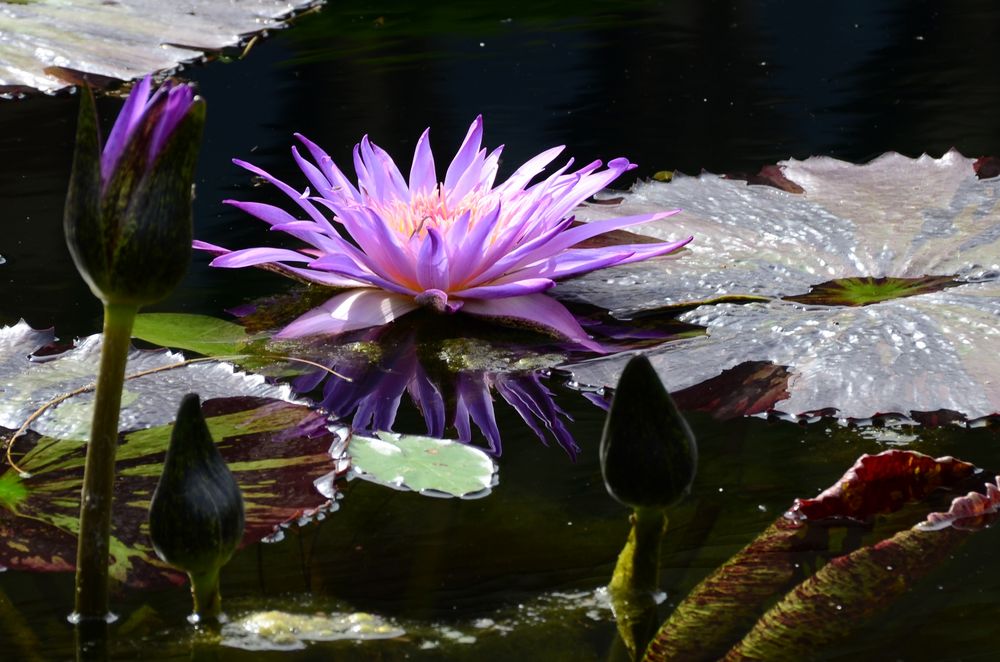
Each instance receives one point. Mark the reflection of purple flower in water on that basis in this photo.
(449, 398)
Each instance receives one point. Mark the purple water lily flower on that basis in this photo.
(461, 244)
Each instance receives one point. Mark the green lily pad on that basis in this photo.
(278, 452)
(435, 467)
(205, 335)
(864, 291)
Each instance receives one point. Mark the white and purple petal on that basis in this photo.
(354, 309)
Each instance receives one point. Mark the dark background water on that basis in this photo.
(688, 85)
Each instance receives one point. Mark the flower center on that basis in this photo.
(412, 218)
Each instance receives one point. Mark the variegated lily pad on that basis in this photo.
(27, 383)
(278, 452)
(48, 45)
(734, 606)
(909, 323)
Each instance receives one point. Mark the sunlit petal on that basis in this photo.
(535, 310)
(354, 309)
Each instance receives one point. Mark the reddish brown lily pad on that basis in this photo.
(747, 389)
(726, 611)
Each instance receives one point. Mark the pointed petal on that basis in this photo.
(538, 311)
(249, 257)
(128, 118)
(432, 263)
(570, 263)
(337, 265)
(530, 168)
(321, 277)
(499, 290)
(200, 245)
(342, 188)
(470, 179)
(316, 177)
(296, 196)
(311, 275)
(382, 179)
(574, 236)
(354, 309)
(423, 177)
(268, 213)
(179, 100)
(466, 153)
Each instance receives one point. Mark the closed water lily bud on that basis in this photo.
(648, 453)
(128, 211)
(196, 516)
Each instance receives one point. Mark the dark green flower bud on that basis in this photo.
(128, 210)
(196, 516)
(648, 454)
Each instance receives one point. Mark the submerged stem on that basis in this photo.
(92, 558)
(638, 567)
(205, 593)
(636, 579)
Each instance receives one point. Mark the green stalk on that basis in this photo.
(636, 579)
(205, 593)
(93, 558)
(638, 569)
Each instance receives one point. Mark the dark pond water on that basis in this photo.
(722, 86)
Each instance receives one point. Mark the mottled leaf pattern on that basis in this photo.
(844, 593)
(278, 452)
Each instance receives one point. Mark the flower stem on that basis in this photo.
(93, 559)
(205, 593)
(638, 567)
(636, 580)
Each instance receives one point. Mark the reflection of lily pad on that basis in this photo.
(278, 452)
(49, 44)
(438, 467)
(912, 244)
(150, 400)
(280, 630)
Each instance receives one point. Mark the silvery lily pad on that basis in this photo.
(47, 44)
(881, 338)
(894, 216)
(27, 383)
(436, 467)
